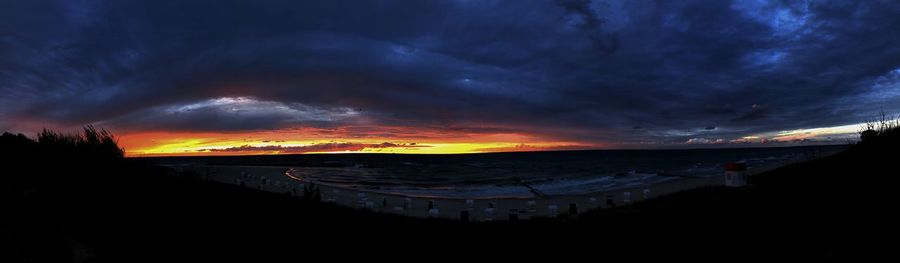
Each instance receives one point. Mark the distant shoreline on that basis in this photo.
(166, 156)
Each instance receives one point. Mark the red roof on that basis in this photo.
(735, 167)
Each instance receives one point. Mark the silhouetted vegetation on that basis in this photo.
(74, 198)
(884, 126)
(91, 144)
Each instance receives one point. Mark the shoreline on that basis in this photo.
(276, 179)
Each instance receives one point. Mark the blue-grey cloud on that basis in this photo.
(627, 71)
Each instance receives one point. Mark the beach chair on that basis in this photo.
(531, 206)
(470, 203)
(370, 205)
(398, 210)
(646, 193)
(626, 197)
(514, 215)
(361, 198)
(433, 213)
(489, 214)
(262, 183)
(361, 201)
(552, 210)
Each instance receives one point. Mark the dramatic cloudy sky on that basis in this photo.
(213, 77)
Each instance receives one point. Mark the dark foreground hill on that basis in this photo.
(74, 198)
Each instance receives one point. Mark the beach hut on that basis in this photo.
(735, 174)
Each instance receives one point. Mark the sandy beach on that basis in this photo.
(273, 179)
(278, 179)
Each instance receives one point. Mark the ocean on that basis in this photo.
(491, 175)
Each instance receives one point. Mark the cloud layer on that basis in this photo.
(601, 72)
(313, 148)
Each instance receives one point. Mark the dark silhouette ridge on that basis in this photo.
(74, 198)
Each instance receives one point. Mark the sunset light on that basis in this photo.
(601, 130)
(192, 144)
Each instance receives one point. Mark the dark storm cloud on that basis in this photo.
(756, 112)
(627, 71)
(585, 18)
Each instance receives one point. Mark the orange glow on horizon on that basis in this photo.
(295, 141)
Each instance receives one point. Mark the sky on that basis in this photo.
(262, 77)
